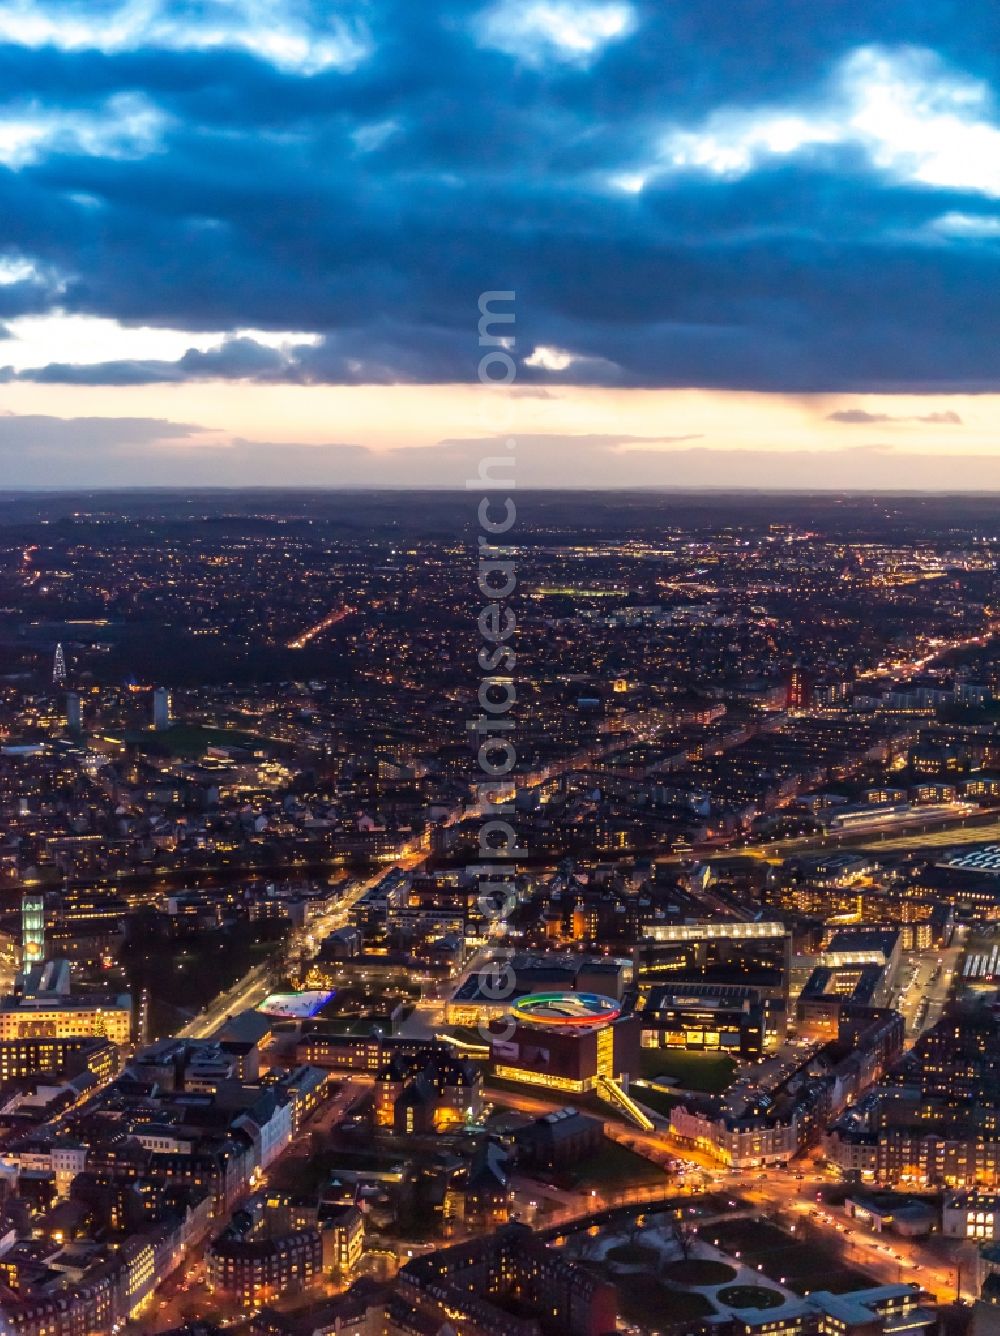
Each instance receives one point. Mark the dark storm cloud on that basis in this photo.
(370, 199)
(236, 359)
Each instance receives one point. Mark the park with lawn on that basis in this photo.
(677, 1072)
(192, 741)
(706, 1073)
(699, 1271)
(751, 1296)
(665, 1271)
(806, 1261)
(615, 1168)
(667, 1267)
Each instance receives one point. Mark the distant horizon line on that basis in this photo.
(10, 493)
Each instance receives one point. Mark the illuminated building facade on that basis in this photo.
(27, 1057)
(560, 1055)
(275, 1241)
(32, 929)
(717, 1019)
(357, 1053)
(427, 1092)
(762, 1131)
(59, 1017)
(832, 988)
(257, 1269)
(916, 1157)
(971, 1215)
(475, 1284)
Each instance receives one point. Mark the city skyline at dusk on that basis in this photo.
(499, 668)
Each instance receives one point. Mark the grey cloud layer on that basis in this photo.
(372, 197)
(57, 453)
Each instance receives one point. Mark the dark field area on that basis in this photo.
(801, 1265)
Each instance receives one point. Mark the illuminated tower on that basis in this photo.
(59, 667)
(32, 929)
(74, 712)
(799, 688)
(163, 711)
